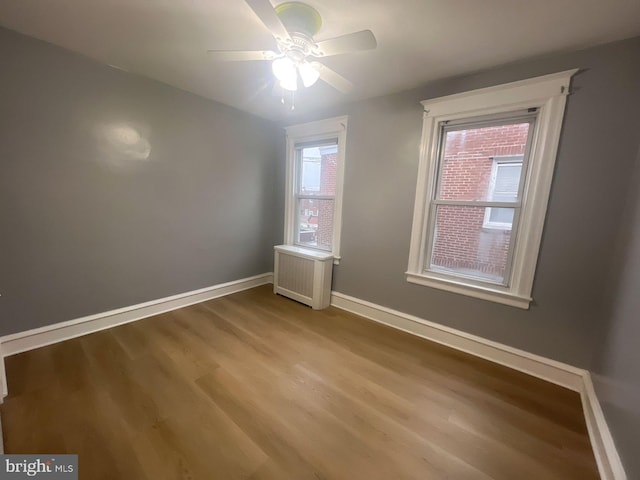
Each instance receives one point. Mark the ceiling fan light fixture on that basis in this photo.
(309, 73)
(294, 25)
(284, 69)
(290, 84)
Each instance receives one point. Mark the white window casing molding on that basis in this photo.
(548, 95)
(317, 131)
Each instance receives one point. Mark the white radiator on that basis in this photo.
(303, 275)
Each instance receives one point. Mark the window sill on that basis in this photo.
(496, 229)
(304, 252)
(313, 252)
(476, 291)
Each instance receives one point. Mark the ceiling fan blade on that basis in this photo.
(351, 42)
(241, 56)
(333, 78)
(267, 14)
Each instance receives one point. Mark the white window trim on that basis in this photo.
(497, 161)
(311, 132)
(548, 94)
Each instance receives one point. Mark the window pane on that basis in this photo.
(467, 163)
(310, 175)
(315, 223)
(318, 170)
(462, 246)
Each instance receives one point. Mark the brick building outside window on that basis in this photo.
(479, 164)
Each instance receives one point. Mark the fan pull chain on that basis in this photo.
(293, 99)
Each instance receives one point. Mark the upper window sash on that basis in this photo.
(485, 121)
(299, 167)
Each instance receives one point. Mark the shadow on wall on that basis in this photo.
(122, 146)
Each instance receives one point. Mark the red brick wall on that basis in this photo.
(325, 209)
(461, 240)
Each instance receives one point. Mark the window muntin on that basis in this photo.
(469, 190)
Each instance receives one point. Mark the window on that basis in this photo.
(477, 196)
(315, 193)
(484, 178)
(315, 168)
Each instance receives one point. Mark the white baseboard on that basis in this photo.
(568, 376)
(3, 375)
(40, 337)
(604, 448)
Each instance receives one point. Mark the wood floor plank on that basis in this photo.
(257, 387)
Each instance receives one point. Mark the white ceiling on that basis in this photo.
(418, 40)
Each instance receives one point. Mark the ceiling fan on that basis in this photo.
(293, 25)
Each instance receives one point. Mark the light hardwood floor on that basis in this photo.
(255, 386)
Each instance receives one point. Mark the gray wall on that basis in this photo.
(597, 150)
(617, 371)
(115, 189)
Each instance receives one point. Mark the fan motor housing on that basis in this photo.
(299, 17)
